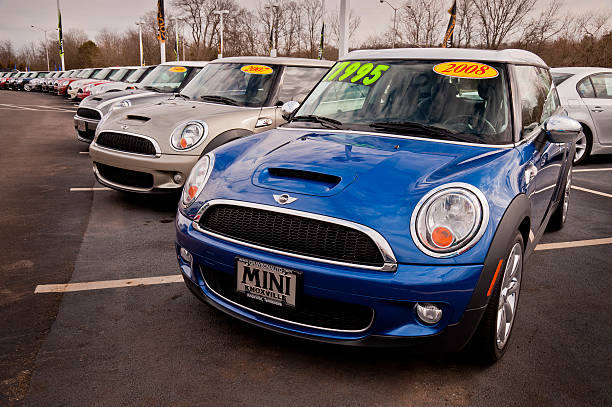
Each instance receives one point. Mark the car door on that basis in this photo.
(539, 100)
(599, 102)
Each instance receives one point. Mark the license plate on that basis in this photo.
(81, 125)
(268, 283)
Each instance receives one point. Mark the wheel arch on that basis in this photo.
(226, 137)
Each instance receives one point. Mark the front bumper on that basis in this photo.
(391, 296)
(85, 128)
(160, 169)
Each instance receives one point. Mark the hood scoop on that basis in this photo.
(138, 118)
(301, 181)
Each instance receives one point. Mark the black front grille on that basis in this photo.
(291, 233)
(125, 177)
(313, 311)
(126, 142)
(88, 113)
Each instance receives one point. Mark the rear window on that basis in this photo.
(560, 77)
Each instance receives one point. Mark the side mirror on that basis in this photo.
(288, 108)
(562, 129)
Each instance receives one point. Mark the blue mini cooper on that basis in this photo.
(397, 205)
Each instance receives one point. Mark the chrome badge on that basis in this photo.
(284, 199)
(124, 127)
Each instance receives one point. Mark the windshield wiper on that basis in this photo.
(326, 121)
(220, 99)
(414, 128)
(181, 95)
(153, 88)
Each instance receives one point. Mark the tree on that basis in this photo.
(499, 19)
(422, 22)
(88, 53)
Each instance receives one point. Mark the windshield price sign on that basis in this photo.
(357, 72)
(257, 69)
(463, 69)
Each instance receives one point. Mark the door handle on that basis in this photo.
(597, 109)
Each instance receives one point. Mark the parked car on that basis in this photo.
(33, 81)
(4, 81)
(38, 83)
(397, 206)
(158, 85)
(62, 84)
(15, 84)
(116, 77)
(135, 77)
(55, 85)
(586, 94)
(45, 82)
(102, 76)
(152, 148)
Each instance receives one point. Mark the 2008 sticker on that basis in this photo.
(257, 69)
(180, 69)
(464, 69)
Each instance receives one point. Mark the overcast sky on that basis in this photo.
(16, 16)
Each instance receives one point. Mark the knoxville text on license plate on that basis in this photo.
(266, 282)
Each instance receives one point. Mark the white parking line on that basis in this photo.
(575, 243)
(592, 191)
(135, 282)
(592, 169)
(100, 285)
(83, 152)
(90, 189)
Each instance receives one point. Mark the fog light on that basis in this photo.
(178, 178)
(185, 255)
(428, 313)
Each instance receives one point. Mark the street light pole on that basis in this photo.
(139, 24)
(177, 40)
(46, 50)
(221, 12)
(394, 19)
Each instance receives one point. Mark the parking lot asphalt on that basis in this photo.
(158, 345)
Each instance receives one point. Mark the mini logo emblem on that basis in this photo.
(284, 199)
(124, 127)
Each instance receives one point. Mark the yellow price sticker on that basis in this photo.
(464, 69)
(257, 69)
(180, 69)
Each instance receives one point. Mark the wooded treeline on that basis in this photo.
(542, 26)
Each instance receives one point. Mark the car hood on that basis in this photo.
(374, 180)
(158, 120)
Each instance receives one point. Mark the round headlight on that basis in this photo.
(197, 179)
(449, 220)
(121, 104)
(187, 135)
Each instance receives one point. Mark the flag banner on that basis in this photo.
(271, 40)
(322, 41)
(59, 29)
(161, 21)
(448, 37)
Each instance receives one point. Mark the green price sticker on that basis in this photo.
(367, 72)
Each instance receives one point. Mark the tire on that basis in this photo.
(557, 219)
(489, 343)
(583, 146)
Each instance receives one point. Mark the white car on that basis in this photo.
(136, 76)
(586, 94)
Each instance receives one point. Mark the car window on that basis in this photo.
(298, 81)
(560, 77)
(239, 84)
(602, 83)
(534, 89)
(166, 78)
(585, 88)
(138, 75)
(415, 97)
(101, 74)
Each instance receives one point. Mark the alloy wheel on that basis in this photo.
(508, 295)
(581, 146)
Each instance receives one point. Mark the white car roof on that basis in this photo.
(511, 56)
(579, 70)
(186, 63)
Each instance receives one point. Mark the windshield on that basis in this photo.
(165, 78)
(464, 101)
(137, 76)
(101, 74)
(85, 73)
(560, 77)
(235, 84)
(118, 75)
